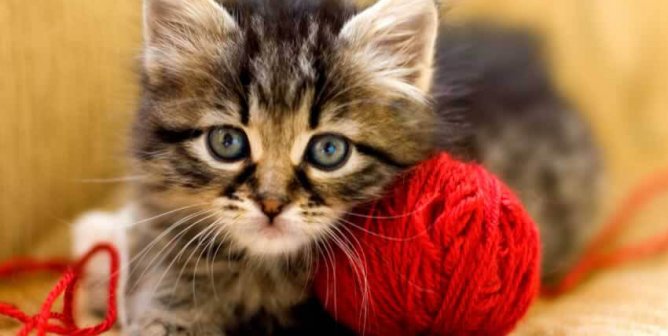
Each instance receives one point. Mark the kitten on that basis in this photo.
(262, 123)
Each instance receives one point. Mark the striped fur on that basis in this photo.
(283, 72)
(210, 262)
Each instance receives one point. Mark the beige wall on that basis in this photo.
(611, 57)
(67, 93)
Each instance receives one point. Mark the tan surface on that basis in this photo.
(67, 92)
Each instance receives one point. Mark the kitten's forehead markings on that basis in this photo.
(299, 147)
(256, 144)
(305, 52)
(212, 118)
(255, 116)
(344, 126)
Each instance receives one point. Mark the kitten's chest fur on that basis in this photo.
(180, 268)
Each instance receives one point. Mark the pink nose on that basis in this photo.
(272, 207)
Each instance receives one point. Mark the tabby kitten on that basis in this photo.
(265, 122)
(262, 124)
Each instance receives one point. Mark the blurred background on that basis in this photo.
(68, 91)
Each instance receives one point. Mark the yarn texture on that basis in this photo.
(49, 322)
(450, 250)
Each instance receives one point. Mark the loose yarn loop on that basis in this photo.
(595, 256)
(62, 323)
(450, 250)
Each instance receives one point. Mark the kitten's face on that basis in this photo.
(279, 120)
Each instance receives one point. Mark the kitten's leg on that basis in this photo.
(172, 288)
(94, 228)
(158, 296)
(167, 301)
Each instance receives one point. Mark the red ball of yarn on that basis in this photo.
(450, 250)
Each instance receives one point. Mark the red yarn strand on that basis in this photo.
(22, 265)
(594, 257)
(62, 323)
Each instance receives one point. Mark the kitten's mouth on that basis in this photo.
(278, 238)
(278, 228)
(273, 231)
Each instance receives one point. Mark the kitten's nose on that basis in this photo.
(272, 206)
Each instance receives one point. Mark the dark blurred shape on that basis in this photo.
(493, 89)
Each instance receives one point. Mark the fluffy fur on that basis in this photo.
(207, 259)
(493, 83)
(283, 72)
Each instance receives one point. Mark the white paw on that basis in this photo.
(97, 227)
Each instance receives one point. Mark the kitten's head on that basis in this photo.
(279, 116)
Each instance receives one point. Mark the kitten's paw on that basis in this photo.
(161, 328)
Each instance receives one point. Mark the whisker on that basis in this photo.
(164, 255)
(112, 180)
(212, 261)
(167, 213)
(362, 272)
(329, 260)
(398, 274)
(168, 231)
(139, 256)
(403, 215)
(212, 230)
(359, 268)
(378, 235)
(145, 251)
(178, 256)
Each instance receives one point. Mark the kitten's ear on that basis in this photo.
(398, 38)
(171, 20)
(177, 32)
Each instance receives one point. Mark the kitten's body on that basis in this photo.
(494, 83)
(209, 263)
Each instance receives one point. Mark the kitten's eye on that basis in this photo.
(228, 144)
(328, 152)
